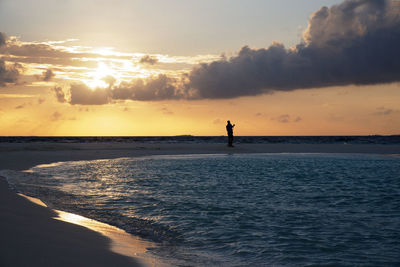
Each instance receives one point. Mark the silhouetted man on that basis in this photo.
(229, 129)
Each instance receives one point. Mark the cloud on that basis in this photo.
(47, 75)
(110, 80)
(24, 105)
(283, 118)
(56, 116)
(382, 111)
(41, 100)
(352, 43)
(166, 111)
(20, 106)
(159, 88)
(81, 94)
(59, 93)
(298, 119)
(83, 110)
(355, 42)
(286, 118)
(2, 39)
(52, 53)
(148, 60)
(8, 74)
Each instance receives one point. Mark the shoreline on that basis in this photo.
(23, 156)
(30, 234)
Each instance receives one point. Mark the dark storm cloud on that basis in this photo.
(148, 60)
(356, 42)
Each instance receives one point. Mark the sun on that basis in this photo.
(97, 77)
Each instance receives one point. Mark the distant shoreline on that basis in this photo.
(190, 139)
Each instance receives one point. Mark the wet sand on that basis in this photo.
(31, 237)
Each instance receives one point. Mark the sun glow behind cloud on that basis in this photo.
(97, 78)
(90, 65)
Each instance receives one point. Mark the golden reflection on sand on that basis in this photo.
(121, 242)
(34, 200)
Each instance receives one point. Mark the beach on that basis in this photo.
(30, 235)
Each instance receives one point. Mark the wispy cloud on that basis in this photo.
(76, 64)
(382, 111)
(166, 111)
(24, 105)
(286, 118)
(56, 116)
(15, 96)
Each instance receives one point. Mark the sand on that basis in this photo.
(30, 236)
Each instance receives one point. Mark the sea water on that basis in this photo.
(238, 210)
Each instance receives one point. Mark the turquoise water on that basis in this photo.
(238, 210)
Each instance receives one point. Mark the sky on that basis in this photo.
(139, 68)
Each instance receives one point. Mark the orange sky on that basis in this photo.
(67, 88)
(328, 111)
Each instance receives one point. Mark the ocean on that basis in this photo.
(237, 209)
